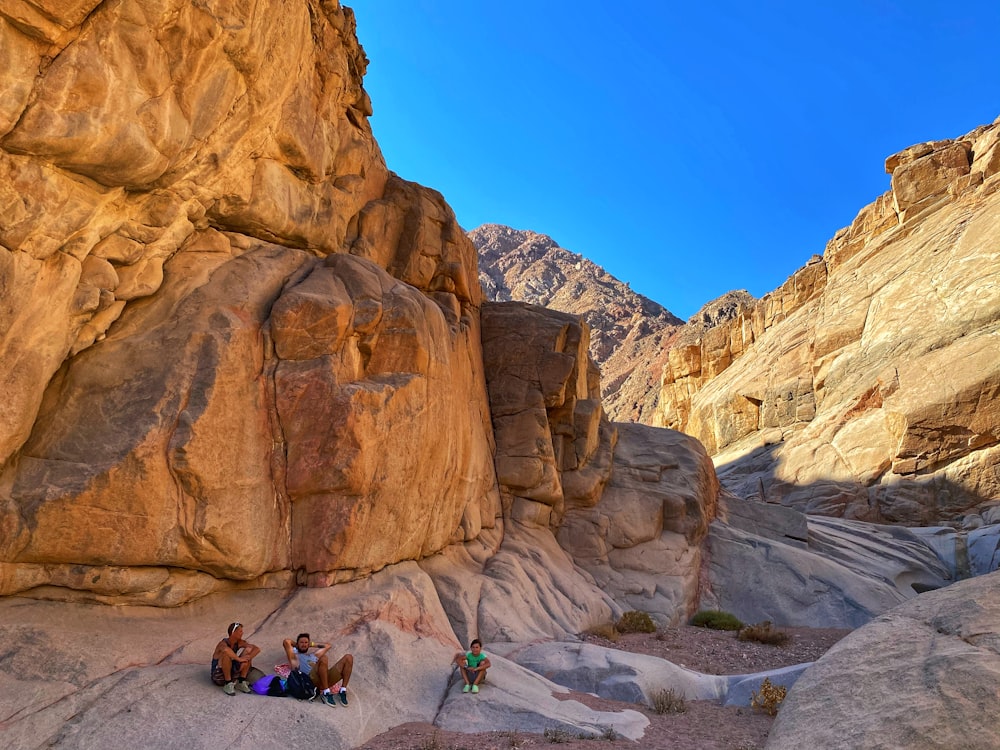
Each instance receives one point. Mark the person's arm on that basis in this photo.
(293, 659)
(249, 651)
(485, 663)
(321, 649)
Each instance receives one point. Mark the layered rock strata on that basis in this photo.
(866, 386)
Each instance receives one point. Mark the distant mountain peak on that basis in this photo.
(627, 328)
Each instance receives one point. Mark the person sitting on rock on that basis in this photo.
(232, 661)
(473, 665)
(315, 664)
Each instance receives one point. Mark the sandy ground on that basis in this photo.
(703, 725)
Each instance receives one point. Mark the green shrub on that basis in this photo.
(636, 622)
(716, 620)
(763, 632)
(668, 701)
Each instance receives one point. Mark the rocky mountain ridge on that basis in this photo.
(628, 331)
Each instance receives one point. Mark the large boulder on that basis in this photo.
(231, 337)
(642, 540)
(923, 676)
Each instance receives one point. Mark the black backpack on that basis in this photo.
(300, 686)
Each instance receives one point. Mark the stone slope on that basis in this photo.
(866, 386)
(924, 675)
(628, 331)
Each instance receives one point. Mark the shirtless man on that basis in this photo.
(232, 661)
(316, 665)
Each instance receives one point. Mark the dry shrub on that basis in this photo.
(763, 632)
(668, 701)
(636, 622)
(608, 632)
(769, 698)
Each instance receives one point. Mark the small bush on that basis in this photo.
(769, 698)
(716, 620)
(763, 632)
(636, 622)
(557, 736)
(608, 632)
(668, 701)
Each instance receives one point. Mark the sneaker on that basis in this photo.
(328, 699)
(343, 696)
(475, 688)
(242, 686)
(229, 688)
(467, 688)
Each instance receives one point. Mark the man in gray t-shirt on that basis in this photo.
(315, 664)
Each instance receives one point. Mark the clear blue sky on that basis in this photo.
(688, 148)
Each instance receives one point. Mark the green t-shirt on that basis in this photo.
(474, 661)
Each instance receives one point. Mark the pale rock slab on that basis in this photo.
(923, 676)
(516, 699)
(128, 671)
(524, 589)
(614, 674)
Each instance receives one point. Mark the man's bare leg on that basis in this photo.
(320, 674)
(341, 671)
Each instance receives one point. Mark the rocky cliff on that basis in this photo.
(241, 354)
(866, 386)
(629, 332)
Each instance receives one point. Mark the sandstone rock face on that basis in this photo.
(628, 331)
(923, 675)
(239, 353)
(225, 326)
(866, 386)
(554, 444)
(642, 541)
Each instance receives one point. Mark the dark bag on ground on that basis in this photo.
(269, 684)
(300, 686)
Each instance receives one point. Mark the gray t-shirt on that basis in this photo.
(306, 662)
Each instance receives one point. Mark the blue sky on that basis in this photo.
(688, 148)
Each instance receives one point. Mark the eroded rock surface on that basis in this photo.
(924, 675)
(225, 324)
(866, 386)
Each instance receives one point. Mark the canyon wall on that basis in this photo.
(866, 385)
(239, 353)
(232, 339)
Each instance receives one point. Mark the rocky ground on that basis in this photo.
(701, 725)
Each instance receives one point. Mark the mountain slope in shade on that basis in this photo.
(628, 331)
